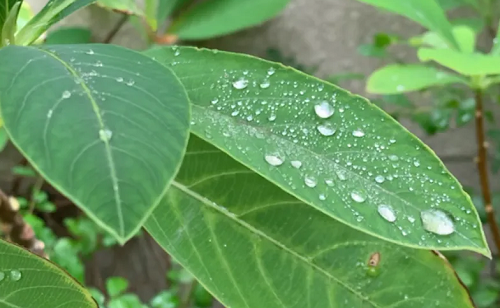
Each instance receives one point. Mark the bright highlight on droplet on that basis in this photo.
(323, 110)
(274, 159)
(437, 221)
(358, 196)
(15, 275)
(105, 134)
(358, 133)
(387, 212)
(326, 129)
(296, 164)
(240, 84)
(310, 181)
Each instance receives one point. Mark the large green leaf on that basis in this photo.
(331, 149)
(253, 245)
(396, 78)
(105, 125)
(51, 13)
(27, 280)
(218, 17)
(428, 13)
(465, 63)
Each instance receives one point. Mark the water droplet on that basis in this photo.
(66, 94)
(15, 275)
(326, 129)
(235, 113)
(265, 84)
(310, 181)
(387, 212)
(341, 174)
(329, 182)
(358, 196)
(90, 52)
(119, 79)
(322, 197)
(380, 179)
(2, 276)
(411, 219)
(98, 64)
(214, 101)
(105, 134)
(393, 157)
(416, 163)
(130, 82)
(358, 133)
(177, 52)
(271, 71)
(324, 110)
(49, 114)
(240, 84)
(274, 159)
(272, 117)
(296, 164)
(437, 221)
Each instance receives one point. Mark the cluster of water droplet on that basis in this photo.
(12, 275)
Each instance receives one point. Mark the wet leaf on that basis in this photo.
(329, 148)
(396, 78)
(104, 125)
(253, 245)
(27, 280)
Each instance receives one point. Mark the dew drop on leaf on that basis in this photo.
(274, 159)
(358, 133)
(387, 212)
(310, 181)
(66, 94)
(271, 71)
(296, 164)
(380, 179)
(411, 219)
(15, 275)
(324, 110)
(214, 101)
(272, 117)
(358, 196)
(240, 84)
(341, 174)
(393, 157)
(265, 84)
(329, 182)
(322, 197)
(326, 129)
(119, 79)
(437, 221)
(105, 134)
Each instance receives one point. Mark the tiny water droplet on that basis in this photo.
(272, 117)
(416, 163)
(177, 52)
(329, 182)
(310, 181)
(387, 212)
(437, 221)
(341, 174)
(265, 84)
(324, 110)
(358, 196)
(358, 133)
(380, 179)
(98, 64)
(271, 71)
(15, 275)
(66, 94)
(274, 159)
(240, 84)
(130, 82)
(119, 79)
(393, 157)
(322, 197)
(214, 101)
(90, 52)
(49, 114)
(326, 129)
(105, 134)
(296, 164)
(411, 219)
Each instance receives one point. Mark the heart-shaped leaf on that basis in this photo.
(27, 280)
(329, 148)
(105, 125)
(253, 245)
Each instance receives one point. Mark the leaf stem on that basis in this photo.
(482, 165)
(115, 29)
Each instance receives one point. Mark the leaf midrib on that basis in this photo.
(246, 225)
(109, 155)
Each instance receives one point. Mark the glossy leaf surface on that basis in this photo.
(104, 125)
(27, 280)
(253, 245)
(331, 149)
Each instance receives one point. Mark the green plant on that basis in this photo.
(289, 192)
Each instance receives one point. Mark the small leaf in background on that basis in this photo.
(369, 50)
(202, 298)
(25, 15)
(487, 295)
(427, 13)
(122, 161)
(85, 231)
(434, 121)
(165, 299)
(4, 139)
(333, 150)
(98, 296)
(30, 281)
(466, 38)
(466, 64)
(214, 18)
(74, 35)
(397, 78)
(5, 11)
(24, 171)
(476, 24)
(116, 286)
(466, 111)
(239, 241)
(9, 27)
(123, 6)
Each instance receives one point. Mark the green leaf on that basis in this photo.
(5, 11)
(10, 25)
(263, 114)
(495, 51)
(476, 24)
(214, 18)
(73, 35)
(427, 13)
(25, 15)
(466, 38)
(123, 6)
(396, 78)
(27, 280)
(129, 113)
(51, 13)
(116, 286)
(465, 64)
(453, 4)
(167, 7)
(253, 245)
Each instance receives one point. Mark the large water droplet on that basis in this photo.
(323, 110)
(240, 83)
(387, 212)
(105, 134)
(274, 159)
(296, 164)
(66, 94)
(265, 84)
(358, 133)
(380, 179)
(437, 221)
(358, 196)
(15, 275)
(310, 181)
(326, 129)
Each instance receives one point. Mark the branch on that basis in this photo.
(115, 29)
(16, 229)
(482, 165)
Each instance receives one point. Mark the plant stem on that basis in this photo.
(115, 29)
(186, 298)
(482, 165)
